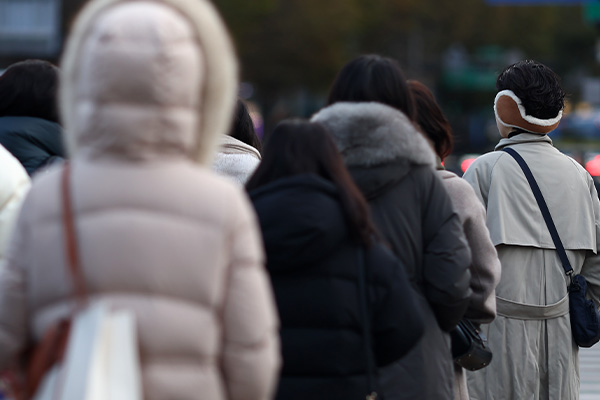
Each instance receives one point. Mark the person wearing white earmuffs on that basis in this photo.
(535, 354)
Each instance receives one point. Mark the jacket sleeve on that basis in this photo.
(591, 266)
(446, 261)
(251, 356)
(13, 295)
(485, 266)
(398, 321)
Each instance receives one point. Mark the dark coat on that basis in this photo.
(35, 142)
(393, 166)
(314, 267)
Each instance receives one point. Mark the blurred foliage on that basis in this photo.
(293, 42)
(291, 50)
(288, 43)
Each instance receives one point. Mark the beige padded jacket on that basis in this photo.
(148, 87)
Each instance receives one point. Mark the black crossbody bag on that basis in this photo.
(585, 318)
(469, 346)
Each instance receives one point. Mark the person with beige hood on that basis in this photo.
(147, 89)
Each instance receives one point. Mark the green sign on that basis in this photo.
(591, 12)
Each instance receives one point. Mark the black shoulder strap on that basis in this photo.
(366, 323)
(544, 209)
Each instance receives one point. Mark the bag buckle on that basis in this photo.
(570, 275)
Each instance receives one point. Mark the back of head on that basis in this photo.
(373, 78)
(536, 85)
(243, 127)
(29, 89)
(297, 147)
(148, 78)
(300, 147)
(431, 119)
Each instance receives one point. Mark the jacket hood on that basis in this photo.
(146, 79)
(369, 134)
(301, 220)
(375, 181)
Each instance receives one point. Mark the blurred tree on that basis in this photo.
(287, 47)
(291, 43)
(284, 44)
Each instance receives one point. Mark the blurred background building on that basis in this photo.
(290, 51)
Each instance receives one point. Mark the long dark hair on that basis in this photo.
(300, 147)
(29, 89)
(243, 128)
(373, 78)
(431, 119)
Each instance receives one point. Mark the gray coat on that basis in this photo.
(393, 166)
(485, 268)
(535, 356)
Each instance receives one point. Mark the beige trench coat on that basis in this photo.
(534, 355)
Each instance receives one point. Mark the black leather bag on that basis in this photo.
(469, 346)
(585, 319)
(583, 313)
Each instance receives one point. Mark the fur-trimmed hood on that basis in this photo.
(147, 79)
(371, 134)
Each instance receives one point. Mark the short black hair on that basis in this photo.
(29, 89)
(372, 77)
(536, 85)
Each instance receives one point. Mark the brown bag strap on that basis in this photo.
(51, 348)
(71, 249)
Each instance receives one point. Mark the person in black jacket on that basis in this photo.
(316, 230)
(29, 122)
(369, 117)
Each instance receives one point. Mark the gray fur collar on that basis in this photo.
(370, 134)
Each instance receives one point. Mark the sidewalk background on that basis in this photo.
(589, 369)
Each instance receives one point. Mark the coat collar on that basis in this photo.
(231, 145)
(523, 138)
(314, 227)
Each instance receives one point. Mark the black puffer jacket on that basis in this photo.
(314, 268)
(35, 142)
(392, 164)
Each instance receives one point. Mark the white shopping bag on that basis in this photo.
(101, 360)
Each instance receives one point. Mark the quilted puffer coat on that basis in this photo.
(14, 184)
(314, 265)
(148, 88)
